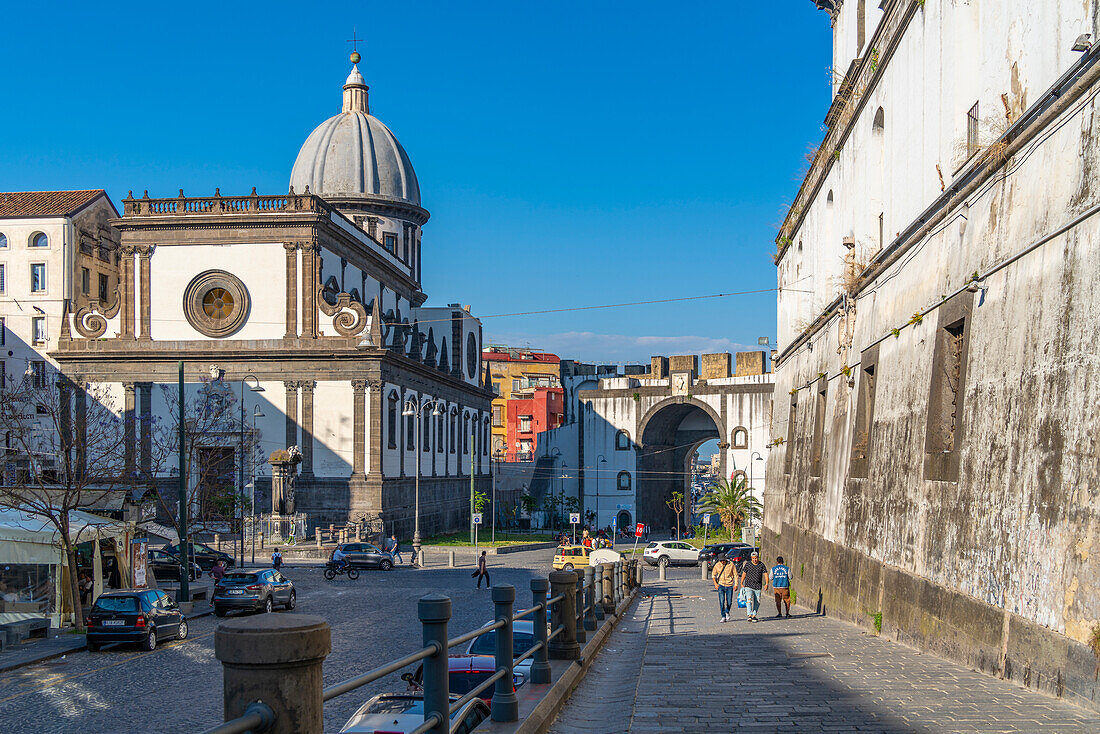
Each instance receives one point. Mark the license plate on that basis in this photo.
(236, 591)
(114, 623)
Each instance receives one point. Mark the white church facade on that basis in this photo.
(315, 298)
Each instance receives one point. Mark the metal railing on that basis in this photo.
(576, 603)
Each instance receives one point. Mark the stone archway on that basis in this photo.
(668, 435)
(622, 520)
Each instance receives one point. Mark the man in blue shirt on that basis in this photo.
(781, 582)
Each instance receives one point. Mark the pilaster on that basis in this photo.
(126, 291)
(310, 285)
(81, 426)
(291, 412)
(145, 253)
(130, 435)
(307, 428)
(145, 420)
(374, 425)
(291, 289)
(359, 419)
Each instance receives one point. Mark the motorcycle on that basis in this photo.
(333, 569)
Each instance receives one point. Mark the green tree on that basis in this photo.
(733, 502)
(676, 504)
(480, 500)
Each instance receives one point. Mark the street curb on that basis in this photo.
(543, 715)
(82, 648)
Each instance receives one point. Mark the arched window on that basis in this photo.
(391, 421)
(879, 124)
(3, 240)
(454, 427)
(465, 433)
(485, 436)
(622, 441)
(39, 239)
(738, 476)
(740, 438)
(439, 432)
(410, 432)
(426, 430)
(622, 483)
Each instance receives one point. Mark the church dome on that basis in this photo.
(354, 155)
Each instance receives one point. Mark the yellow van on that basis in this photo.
(568, 557)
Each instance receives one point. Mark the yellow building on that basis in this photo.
(515, 373)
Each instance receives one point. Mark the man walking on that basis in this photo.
(393, 548)
(724, 575)
(781, 582)
(754, 577)
(482, 572)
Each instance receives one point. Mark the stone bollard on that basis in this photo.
(540, 664)
(661, 571)
(582, 636)
(450, 559)
(434, 611)
(703, 570)
(597, 590)
(276, 659)
(606, 592)
(319, 544)
(564, 646)
(639, 572)
(618, 597)
(505, 705)
(589, 598)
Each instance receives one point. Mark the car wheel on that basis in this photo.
(567, 567)
(353, 573)
(663, 561)
(219, 612)
(93, 647)
(293, 600)
(182, 633)
(150, 642)
(329, 574)
(385, 565)
(268, 606)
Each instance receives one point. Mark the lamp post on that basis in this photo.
(496, 468)
(599, 460)
(561, 494)
(553, 456)
(415, 408)
(251, 486)
(755, 456)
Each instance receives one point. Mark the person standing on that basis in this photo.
(724, 575)
(394, 549)
(781, 582)
(218, 571)
(482, 571)
(754, 577)
(276, 559)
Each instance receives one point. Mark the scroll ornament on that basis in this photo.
(91, 321)
(350, 316)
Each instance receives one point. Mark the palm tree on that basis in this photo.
(734, 503)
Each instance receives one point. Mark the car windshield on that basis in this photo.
(117, 604)
(463, 683)
(240, 578)
(397, 705)
(487, 644)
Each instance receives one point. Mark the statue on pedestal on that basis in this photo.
(284, 473)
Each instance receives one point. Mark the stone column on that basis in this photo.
(310, 285)
(81, 425)
(145, 412)
(291, 412)
(307, 429)
(126, 291)
(359, 419)
(130, 435)
(377, 410)
(291, 290)
(145, 252)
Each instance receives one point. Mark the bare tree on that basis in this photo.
(66, 450)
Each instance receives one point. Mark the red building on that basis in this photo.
(528, 417)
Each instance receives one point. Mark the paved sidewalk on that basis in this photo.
(673, 667)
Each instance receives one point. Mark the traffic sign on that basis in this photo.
(706, 519)
(477, 518)
(639, 530)
(614, 523)
(574, 518)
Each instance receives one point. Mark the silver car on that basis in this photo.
(671, 553)
(401, 713)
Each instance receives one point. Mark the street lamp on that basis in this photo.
(599, 460)
(415, 408)
(251, 486)
(564, 466)
(240, 472)
(754, 457)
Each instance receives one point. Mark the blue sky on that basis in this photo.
(570, 153)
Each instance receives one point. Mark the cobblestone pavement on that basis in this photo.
(671, 666)
(178, 686)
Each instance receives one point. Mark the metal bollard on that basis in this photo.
(275, 659)
(589, 599)
(434, 611)
(505, 704)
(540, 665)
(606, 591)
(597, 590)
(451, 559)
(564, 646)
(582, 636)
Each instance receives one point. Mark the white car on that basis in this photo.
(671, 553)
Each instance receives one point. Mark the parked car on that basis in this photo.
(523, 639)
(365, 555)
(253, 590)
(670, 553)
(203, 555)
(714, 551)
(167, 566)
(142, 617)
(568, 557)
(740, 555)
(395, 713)
(466, 672)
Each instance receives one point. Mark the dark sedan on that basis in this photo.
(166, 566)
(365, 555)
(740, 555)
(714, 551)
(203, 555)
(142, 617)
(253, 591)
